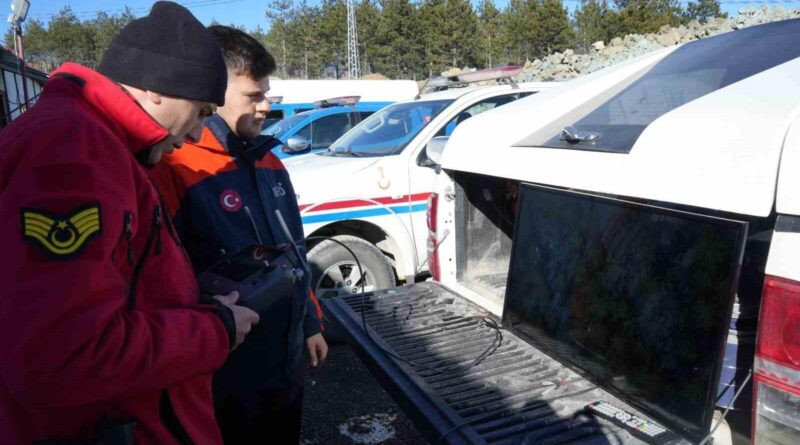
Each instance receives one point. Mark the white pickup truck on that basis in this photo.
(623, 268)
(370, 189)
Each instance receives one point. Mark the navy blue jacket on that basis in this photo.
(220, 191)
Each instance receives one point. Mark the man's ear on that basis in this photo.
(154, 97)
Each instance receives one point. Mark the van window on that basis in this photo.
(327, 129)
(283, 126)
(690, 72)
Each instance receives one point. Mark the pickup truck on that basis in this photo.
(370, 188)
(623, 268)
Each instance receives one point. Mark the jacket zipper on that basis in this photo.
(173, 233)
(129, 237)
(155, 229)
(167, 414)
(158, 234)
(166, 410)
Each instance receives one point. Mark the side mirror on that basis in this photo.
(435, 148)
(295, 144)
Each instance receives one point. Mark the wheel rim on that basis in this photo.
(344, 278)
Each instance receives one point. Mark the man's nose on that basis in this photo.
(263, 106)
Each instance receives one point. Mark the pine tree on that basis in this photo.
(554, 31)
(331, 37)
(367, 15)
(490, 24)
(399, 51)
(702, 10)
(303, 42)
(433, 20)
(595, 21)
(461, 29)
(104, 27)
(279, 14)
(646, 16)
(521, 30)
(69, 39)
(535, 28)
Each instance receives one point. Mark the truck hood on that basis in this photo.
(317, 165)
(321, 178)
(721, 151)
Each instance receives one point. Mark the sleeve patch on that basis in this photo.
(61, 236)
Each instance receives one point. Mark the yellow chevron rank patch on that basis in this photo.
(61, 236)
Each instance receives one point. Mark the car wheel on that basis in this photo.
(334, 272)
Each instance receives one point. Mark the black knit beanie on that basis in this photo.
(169, 52)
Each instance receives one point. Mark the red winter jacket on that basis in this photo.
(99, 313)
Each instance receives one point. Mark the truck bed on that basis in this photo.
(515, 395)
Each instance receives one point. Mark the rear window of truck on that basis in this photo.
(690, 72)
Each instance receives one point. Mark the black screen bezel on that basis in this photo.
(704, 426)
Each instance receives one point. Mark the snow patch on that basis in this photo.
(369, 429)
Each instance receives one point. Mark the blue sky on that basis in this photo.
(249, 13)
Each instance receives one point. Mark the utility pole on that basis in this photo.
(19, 10)
(353, 66)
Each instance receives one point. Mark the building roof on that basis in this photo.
(8, 61)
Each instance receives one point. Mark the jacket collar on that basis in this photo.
(218, 137)
(138, 129)
(226, 139)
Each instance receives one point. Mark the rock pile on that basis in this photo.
(569, 64)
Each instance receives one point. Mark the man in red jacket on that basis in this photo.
(100, 318)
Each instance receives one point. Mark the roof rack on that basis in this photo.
(337, 101)
(502, 73)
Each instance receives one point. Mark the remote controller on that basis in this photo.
(641, 428)
(262, 275)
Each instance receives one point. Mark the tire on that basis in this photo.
(334, 273)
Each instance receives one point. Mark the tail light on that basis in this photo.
(776, 417)
(433, 251)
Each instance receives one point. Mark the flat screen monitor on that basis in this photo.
(635, 297)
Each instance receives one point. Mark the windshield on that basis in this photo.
(280, 128)
(388, 131)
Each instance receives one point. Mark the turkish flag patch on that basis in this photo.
(230, 200)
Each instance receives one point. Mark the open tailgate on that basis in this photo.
(515, 395)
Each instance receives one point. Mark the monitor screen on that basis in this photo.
(635, 297)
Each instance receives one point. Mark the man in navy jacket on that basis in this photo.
(222, 192)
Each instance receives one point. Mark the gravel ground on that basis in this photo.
(344, 404)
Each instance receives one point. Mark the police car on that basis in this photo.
(369, 190)
(317, 129)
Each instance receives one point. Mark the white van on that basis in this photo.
(624, 267)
